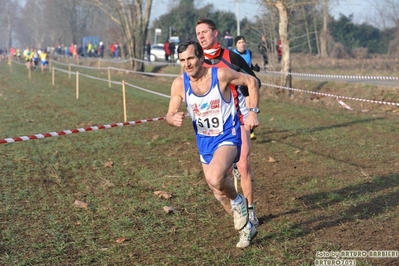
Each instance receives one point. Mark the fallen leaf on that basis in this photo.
(122, 240)
(81, 204)
(271, 160)
(169, 209)
(109, 164)
(163, 194)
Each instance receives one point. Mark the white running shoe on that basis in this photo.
(246, 236)
(240, 213)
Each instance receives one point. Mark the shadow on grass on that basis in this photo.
(158, 68)
(359, 206)
(363, 210)
(298, 132)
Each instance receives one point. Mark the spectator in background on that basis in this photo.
(167, 51)
(279, 49)
(66, 51)
(242, 50)
(228, 40)
(101, 49)
(89, 49)
(94, 51)
(172, 48)
(73, 50)
(112, 49)
(264, 48)
(148, 50)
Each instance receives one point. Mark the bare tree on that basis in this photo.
(71, 20)
(387, 13)
(307, 30)
(133, 17)
(324, 33)
(34, 22)
(7, 18)
(281, 6)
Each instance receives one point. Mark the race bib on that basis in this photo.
(210, 122)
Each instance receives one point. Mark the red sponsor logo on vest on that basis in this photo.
(215, 104)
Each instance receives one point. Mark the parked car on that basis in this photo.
(158, 54)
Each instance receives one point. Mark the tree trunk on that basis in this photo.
(316, 35)
(286, 78)
(307, 31)
(324, 34)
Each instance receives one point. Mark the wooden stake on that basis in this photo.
(10, 63)
(52, 76)
(77, 85)
(109, 77)
(124, 101)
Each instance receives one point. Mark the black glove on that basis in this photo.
(256, 68)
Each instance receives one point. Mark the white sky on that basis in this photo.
(249, 8)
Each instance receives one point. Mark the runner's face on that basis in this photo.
(190, 63)
(240, 45)
(205, 36)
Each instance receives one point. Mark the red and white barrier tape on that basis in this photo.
(343, 104)
(332, 95)
(338, 76)
(77, 130)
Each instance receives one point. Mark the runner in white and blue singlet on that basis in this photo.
(215, 119)
(210, 103)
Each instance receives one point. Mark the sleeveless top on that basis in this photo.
(214, 119)
(239, 98)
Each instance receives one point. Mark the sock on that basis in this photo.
(250, 206)
(237, 200)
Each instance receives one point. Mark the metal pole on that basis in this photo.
(238, 17)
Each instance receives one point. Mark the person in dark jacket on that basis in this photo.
(172, 48)
(167, 51)
(242, 50)
(148, 50)
(264, 48)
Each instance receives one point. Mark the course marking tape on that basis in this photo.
(332, 95)
(77, 130)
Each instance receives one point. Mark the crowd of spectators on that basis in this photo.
(62, 50)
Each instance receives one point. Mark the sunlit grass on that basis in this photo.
(329, 165)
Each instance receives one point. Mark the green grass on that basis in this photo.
(332, 167)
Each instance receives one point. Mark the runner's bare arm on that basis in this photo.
(174, 117)
(227, 76)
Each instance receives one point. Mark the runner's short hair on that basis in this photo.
(207, 21)
(197, 48)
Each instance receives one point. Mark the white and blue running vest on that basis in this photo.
(214, 119)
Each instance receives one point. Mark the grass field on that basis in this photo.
(327, 178)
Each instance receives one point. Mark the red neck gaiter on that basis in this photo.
(213, 51)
